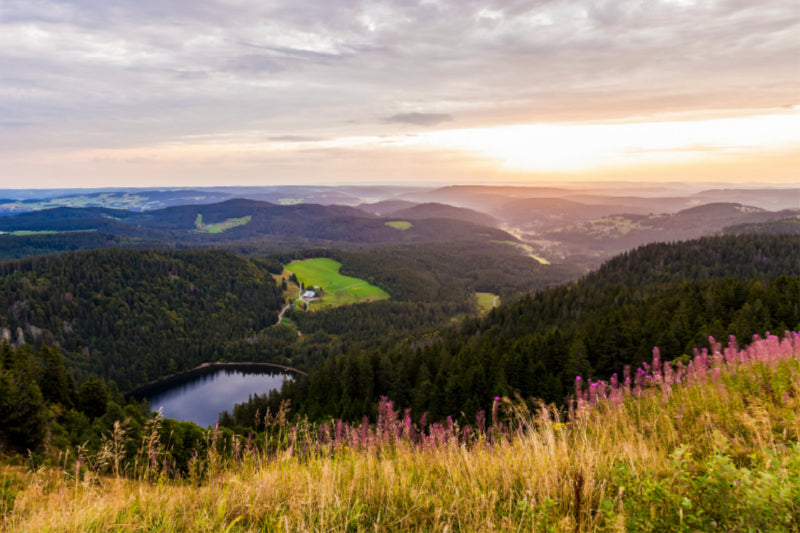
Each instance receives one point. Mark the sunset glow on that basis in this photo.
(574, 147)
(333, 92)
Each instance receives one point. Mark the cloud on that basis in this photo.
(295, 139)
(420, 119)
(148, 73)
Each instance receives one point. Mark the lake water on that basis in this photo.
(200, 398)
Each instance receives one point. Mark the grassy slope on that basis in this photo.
(338, 289)
(719, 452)
(487, 301)
(400, 224)
(219, 227)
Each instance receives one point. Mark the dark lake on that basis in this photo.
(200, 396)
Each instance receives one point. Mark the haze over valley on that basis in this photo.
(580, 226)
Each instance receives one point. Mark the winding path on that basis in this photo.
(280, 315)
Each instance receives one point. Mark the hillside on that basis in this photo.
(534, 347)
(386, 207)
(15, 201)
(437, 210)
(746, 256)
(540, 213)
(261, 221)
(789, 226)
(132, 200)
(133, 316)
(702, 435)
(450, 271)
(618, 233)
(19, 246)
(712, 446)
(635, 197)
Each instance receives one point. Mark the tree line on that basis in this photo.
(536, 346)
(133, 316)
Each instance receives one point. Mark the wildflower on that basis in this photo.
(480, 421)
(495, 407)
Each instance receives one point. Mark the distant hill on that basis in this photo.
(437, 210)
(623, 232)
(508, 202)
(238, 220)
(638, 204)
(484, 198)
(386, 207)
(132, 200)
(14, 201)
(542, 213)
(772, 199)
(789, 225)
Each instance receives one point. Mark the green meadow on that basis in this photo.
(25, 233)
(337, 289)
(487, 301)
(402, 225)
(28, 233)
(220, 226)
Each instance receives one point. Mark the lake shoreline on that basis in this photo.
(160, 384)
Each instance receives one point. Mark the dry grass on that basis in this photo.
(616, 467)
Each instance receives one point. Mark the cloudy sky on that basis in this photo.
(261, 92)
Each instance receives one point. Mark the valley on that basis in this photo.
(399, 267)
(444, 311)
(580, 227)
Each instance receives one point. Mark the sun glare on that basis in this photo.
(578, 147)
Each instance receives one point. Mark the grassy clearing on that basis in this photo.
(25, 233)
(219, 227)
(487, 301)
(717, 451)
(402, 225)
(337, 289)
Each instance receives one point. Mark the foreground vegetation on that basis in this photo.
(711, 445)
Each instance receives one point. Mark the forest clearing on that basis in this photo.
(337, 289)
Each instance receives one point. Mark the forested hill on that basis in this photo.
(741, 256)
(249, 220)
(19, 246)
(536, 346)
(136, 315)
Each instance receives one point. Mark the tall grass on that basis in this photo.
(712, 445)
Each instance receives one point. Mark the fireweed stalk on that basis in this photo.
(710, 445)
(703, 368)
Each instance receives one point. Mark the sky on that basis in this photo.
(163, 93)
